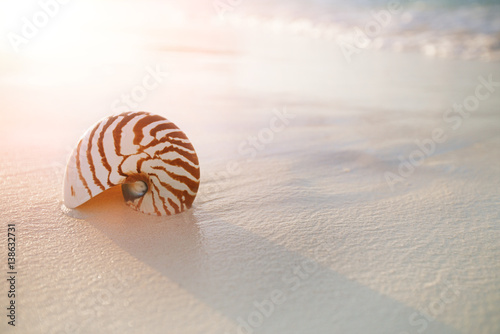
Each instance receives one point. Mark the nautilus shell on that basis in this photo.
(149, 156)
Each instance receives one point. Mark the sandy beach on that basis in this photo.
(337, 195)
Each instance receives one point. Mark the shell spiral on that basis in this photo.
(126, 149)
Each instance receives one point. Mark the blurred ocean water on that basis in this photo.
(454, 29)
(443, 28)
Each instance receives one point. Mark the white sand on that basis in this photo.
(309, 222)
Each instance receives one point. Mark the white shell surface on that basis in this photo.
(130, 147)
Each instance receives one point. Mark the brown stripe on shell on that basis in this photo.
(78, 167)
(97, 182)
(164, 126)
(154, 205)
(168, 138)
(195, 172)
(117, 136)
(191, 157)
(180, 194)
(140, 125)
(174, 205)
(100, 146)
(162, 199)
(192, 185)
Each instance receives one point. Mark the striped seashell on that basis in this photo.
(149, 156)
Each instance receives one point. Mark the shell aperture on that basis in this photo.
(132, 191)
(149, 156)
